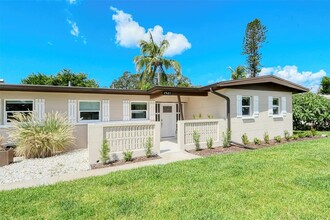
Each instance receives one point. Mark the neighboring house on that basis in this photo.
(256, 105)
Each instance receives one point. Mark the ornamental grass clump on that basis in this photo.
(128, 155)
(257, 141)
(266, 137)
(245, 139)
(287, 135)
(104, 152)
(35, 138)
(148, 147)
(278, 139)
(209, 143)
(226, 137)
(196, 139)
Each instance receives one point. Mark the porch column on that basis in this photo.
(180, 107)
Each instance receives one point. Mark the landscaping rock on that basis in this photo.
(27, 169)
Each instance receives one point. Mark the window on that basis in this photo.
(17, 106)
(139, 110)
(276, 106)
(246, 106)
(89, 110)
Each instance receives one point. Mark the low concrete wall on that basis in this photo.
(207, 128)
(122, 136)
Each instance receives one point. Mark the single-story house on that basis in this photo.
(127, 117)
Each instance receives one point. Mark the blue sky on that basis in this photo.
(91, 37)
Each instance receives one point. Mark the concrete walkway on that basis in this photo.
(170, 153)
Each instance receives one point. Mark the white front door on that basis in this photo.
(167, 118)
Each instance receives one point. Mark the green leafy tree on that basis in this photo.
(63, 78)
(37, 79)
(132, 81)
(255, 36)
(310, 110)
(152, 65)
(325, 85)
(127, 81)
(238, 73)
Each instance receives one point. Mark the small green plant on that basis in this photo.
(308, 134)
(104, 152)
(287, 135)
(196, 138)
(128, 155)
(313, 131)
(266, 137)
(278, 139)
(226, 137)
(257, 141)
(295, 137)
(209, 143)
(149, 147)
(301, 135)
(245, 139)
(209, 116)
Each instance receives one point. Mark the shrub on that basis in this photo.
(295, 137)
(278, 139)
(301, 135)
(266, 137)
(313, 131)
(287, 135)
(196, 137)
(245, 139)
(128, 155)
(209, 116)
(149, 147)
(308, 134)
(226, 138)
(199, 116)
(104, 152)
(310, 109)
(209, 143)
(35, 138)
(257, 141)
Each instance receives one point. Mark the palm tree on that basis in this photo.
(238, 73)
(152, 63)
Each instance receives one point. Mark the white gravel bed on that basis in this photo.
(27, 169)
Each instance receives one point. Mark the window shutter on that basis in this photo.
(239, 106)
(39, 108)
(256, 106)
(105, 110)
(270, 105)
(283, 106)
(72, 110)
(152, 105)
(126, 110)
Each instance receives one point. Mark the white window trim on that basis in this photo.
(89, 121)
(5, 112)
(138, 119)
(250, 116)
(279, 114)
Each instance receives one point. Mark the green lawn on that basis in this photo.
(291, 181)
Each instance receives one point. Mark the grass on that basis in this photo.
(291, 181)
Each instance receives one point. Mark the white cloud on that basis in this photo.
(219, 79)
(84, 40)
(129, 33)
(305, 78)
(72, 2)
(74, 28)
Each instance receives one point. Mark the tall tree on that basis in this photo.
(325, 85)
(238, 73)
(255, 36)
(63, 78)
(132, 81)
(152, 65)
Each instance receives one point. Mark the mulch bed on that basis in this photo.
(122, 162)
(216, 150)
(232, 149)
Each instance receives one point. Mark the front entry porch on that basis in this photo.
(169, 145)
